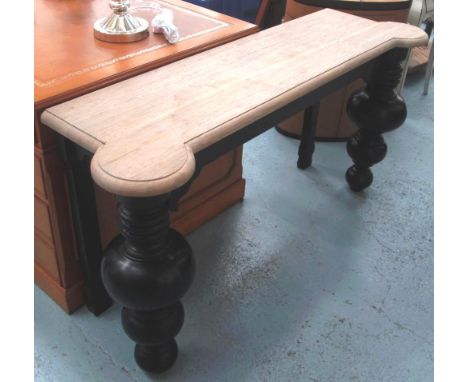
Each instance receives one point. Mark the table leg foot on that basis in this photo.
(148, 270)
(366, 148)
(154, 332)
(359, 178)
(375, 110)
(156, 358)
(307, 145)
(304, 162)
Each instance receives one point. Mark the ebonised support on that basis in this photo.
(147, 270)
(307, 145)
(81, 187)
(274, 14)
(375, 110)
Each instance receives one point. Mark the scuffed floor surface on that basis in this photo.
(302, 281)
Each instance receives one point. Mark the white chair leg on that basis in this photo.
(404, 73)
(429, 68)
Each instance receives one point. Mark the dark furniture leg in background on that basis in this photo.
(307, 145)
(86, 223)
(147, 270)
(375, 110)
(270, 13)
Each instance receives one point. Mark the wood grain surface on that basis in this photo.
(145, 130)
(62, 27)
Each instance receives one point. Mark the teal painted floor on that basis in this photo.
(302, 281)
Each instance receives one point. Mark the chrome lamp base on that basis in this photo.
(121, 26)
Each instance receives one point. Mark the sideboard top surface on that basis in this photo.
(145, 130)
(69, 61)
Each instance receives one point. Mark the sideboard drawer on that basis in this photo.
(38, 177)
(42, 219)
(44, 256)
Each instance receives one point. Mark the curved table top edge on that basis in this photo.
(181, 172)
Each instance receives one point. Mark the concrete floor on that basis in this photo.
(303, 281)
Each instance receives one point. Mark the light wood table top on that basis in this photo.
(144, 131)
(69, 61)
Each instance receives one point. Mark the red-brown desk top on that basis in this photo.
(69, 61)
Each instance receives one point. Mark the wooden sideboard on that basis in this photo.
(69, 62)
(333, 122)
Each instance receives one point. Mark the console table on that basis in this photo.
(70, 62)
(147, 149)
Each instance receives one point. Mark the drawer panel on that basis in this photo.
(44, 255)
(38, 177)
(213, 173)
(42, 219)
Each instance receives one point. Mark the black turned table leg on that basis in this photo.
(375, 110)
(307, 145)
(148, 270)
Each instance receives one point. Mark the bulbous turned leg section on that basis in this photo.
(374, 111)
(148, 270)
(359, 178)
(154, 332)
(366, 148)
(156, 358)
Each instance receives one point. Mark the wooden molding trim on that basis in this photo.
(69, 299)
